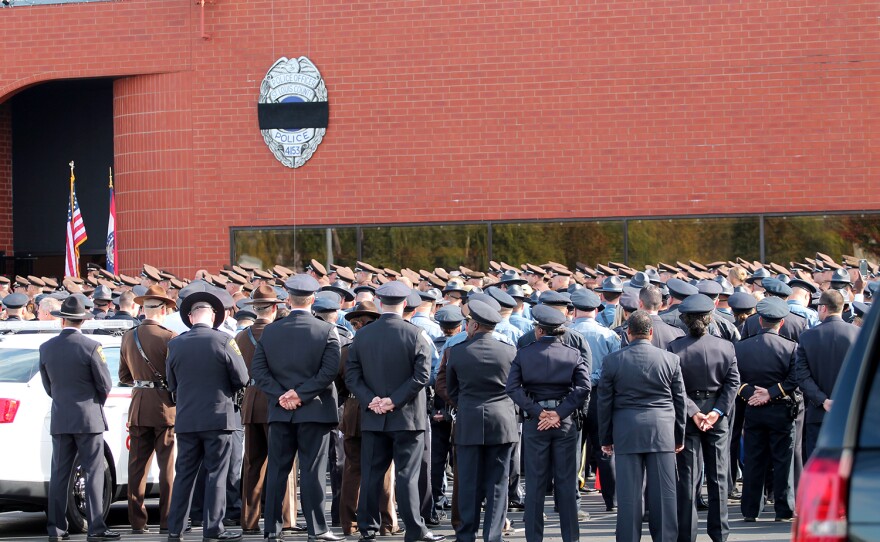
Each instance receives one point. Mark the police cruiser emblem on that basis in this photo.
(293, 110)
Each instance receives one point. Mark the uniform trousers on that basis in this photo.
(378, 450)
(233, 482)
(309, 442)
(441, 444)
(337, 464)
(514, 489)
(486, 467)
(90, 449)
(256, 436)
(351, 481)
(712, 448)
(426, 495)
(799, 436)
(736, 430)
(769, 438)
(210, 450)
(605, 463)
(638, 474)
(811, 436)
(551, 454)
(144, 442)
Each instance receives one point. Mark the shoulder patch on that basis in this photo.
(100, 352)
(234, 346)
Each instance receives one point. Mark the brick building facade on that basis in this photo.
(450, 111)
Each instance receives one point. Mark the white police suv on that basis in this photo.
(25, 409)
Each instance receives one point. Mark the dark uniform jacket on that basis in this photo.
(549, 369)
(75, 375)
(820, 355)
(254, 406)
(663, 333)
(766, 360)
(150, 407)
(300, 353)
(792, 326)
(719, 327)
(390, 358)
(205, 368)
(641, 403)
(707, 364)
(476, 376)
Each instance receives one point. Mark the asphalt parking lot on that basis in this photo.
(600, 527)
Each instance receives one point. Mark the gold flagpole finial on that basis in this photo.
(111, 176)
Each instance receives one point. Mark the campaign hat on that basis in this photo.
(207, 297)
(157, 293)
(364, 308)
(73, 308)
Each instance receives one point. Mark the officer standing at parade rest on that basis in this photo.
(388, 367)
(767, 371)
(302, 405)
(254, 416)
(550, 381)
(205, 369)
(642, 416)
(75, 375)
(486, 426)
(711, 379)
(152, 411)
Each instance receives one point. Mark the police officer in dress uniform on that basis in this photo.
(254, 416)
(642, 415)
(388, 367)
(302, 404)
(793, 325)
(549, 381)
(205, 369)
(711, 379)
(820, 355)
(662, 333)
(152, 411)
(602, 341)
(767, 371)
(362, 314)
(14, 305)
(486, 426)
(75, 375)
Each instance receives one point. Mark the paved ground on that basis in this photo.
(600, 528)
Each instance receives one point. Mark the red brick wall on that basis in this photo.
(470, 111)
(5, 176)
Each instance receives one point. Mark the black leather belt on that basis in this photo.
(147, 384)
(701, 394)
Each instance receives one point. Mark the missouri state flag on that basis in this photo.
(112, 252)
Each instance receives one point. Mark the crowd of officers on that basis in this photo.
(650, 379)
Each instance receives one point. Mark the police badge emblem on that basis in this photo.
(292, 110)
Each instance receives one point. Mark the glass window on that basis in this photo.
(792, 238)
(563, 242)
(294, 247)
(703, 240)
(427, 247)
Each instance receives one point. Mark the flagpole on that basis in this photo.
(75, 248)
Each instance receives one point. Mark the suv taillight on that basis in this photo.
(822, 500)
(8, 409)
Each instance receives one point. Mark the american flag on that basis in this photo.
(76, 232)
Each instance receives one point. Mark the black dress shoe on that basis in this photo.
(101, 537)
(432, 522)
(251, 532)
(227, 522)
(225, 536)
(145, 530)
(749, 520)
(327, 536)
(368, 536)
(610, 508)
(298, 528)
(196, 523)
(63, 536)
(702, 505)
(431, 537)
(174, 537)
(515, 505)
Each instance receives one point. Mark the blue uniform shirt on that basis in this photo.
(812, 316)
(606, 316)
(602, 342)
(520, 322)
(506, 327)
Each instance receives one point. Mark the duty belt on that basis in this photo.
(147, 384)
(549, 403)
(701, 394)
